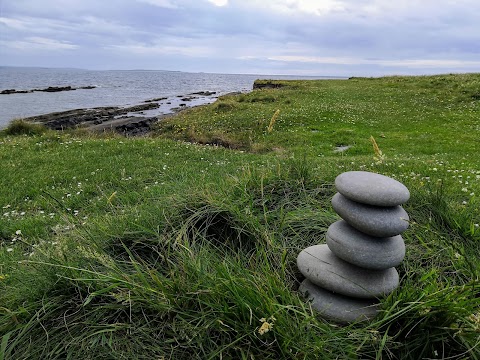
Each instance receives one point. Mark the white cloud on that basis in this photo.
(158, 50)
(410, 63)
(296, 35)
(81, 28)
(169, 4)
(432, 63)
(317, 7)
(215, 46)
(13, 23)
(313, 7)
(183, 4)
(218, 2)
(35, 25)
(97, 25)
(35, 43)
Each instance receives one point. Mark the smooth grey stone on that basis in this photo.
(319, 265)
(372, 220)
(370, 188)
(336, 307)
(364, 250)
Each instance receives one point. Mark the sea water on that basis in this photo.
(112, 88)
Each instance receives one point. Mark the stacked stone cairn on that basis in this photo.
(347, 276)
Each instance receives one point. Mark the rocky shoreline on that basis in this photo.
(49, 89)
(128, 121)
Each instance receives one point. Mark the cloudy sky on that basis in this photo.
(302, 37)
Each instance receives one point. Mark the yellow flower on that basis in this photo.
(267, 325)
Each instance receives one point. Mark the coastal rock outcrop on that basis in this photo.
(129, 121)
(267, 84)
(91, 118)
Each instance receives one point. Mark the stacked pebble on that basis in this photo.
(346, 277)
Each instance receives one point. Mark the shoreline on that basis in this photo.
(112, 88)
(134, 120)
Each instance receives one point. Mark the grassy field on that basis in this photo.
(182, 245)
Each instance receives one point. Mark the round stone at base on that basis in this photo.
(363, 250)
(371, 188)
(372, 220)
(319, 265)
(336, 307)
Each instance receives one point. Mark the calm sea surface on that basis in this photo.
(113, 88)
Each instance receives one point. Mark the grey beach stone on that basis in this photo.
(364, 250)
(319, 265)
(370, 188)
(336, 307)
(372, 220)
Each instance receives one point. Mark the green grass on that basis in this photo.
(164, 248)
(21, 127)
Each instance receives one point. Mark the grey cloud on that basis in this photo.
(242, 36)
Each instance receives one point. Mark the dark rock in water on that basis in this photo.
(8, 91)
(370, 188)
(49, 89)
(319, 265)
(182, 105)
(336, 307)
(364, 250)
(13, 91)
(136, 108)
(56, 89)
(204, 93)
(156, 99)
(372, 220)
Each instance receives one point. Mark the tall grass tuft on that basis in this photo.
(272, 121)
(379, 156)
(21, 127)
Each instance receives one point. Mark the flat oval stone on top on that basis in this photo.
(370, 188)
(372, 220)
(319, 265)
(364, 250)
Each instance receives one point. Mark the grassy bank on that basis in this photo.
(183, 244)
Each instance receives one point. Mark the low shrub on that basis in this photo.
(21, 127)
